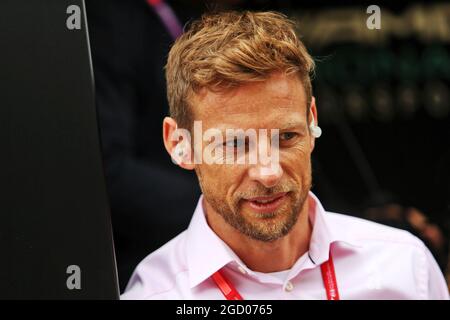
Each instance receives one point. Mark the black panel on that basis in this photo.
(53, 205)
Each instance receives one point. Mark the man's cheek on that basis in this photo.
(219, 172)
(297, 159)
(303, 150)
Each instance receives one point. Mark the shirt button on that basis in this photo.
(289, 286)
(242, 270)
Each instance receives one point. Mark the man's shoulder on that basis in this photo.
(364, 231)
(156, 275)
(387, 244)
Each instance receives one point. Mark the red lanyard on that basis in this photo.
(328, 277)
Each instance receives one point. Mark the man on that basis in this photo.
(258, 232)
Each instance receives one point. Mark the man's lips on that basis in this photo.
(266, 204)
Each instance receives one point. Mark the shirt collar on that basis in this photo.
(325, 233)
(207, 253)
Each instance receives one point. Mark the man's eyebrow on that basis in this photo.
(293, 125)
(286, 126)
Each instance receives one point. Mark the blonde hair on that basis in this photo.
(224, 50)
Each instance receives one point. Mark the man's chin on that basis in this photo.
(266, 226)
(267, 232)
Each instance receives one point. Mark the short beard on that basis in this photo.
(266, 230)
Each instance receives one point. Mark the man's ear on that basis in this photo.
(177, 142)
(313, 113)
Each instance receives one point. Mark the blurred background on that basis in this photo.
(382, 96)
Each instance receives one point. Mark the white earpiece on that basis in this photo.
(316, 131)
(179, 150)
(179, 153)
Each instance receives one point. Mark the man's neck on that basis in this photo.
(262, 256)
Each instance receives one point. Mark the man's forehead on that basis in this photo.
(278, 118)
(260, 99)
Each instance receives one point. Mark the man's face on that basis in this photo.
(262, 201)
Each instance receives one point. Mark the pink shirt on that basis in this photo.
(371, 261)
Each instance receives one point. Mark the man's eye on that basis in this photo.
(235, 143)
(285, 136)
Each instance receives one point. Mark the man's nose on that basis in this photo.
(268, 175)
